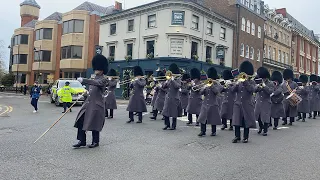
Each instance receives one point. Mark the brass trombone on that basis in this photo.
(131, 80)
(243, 77)
(207, 83)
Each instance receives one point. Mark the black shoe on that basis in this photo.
(110, 117)
(290, 123)
(270, 125)
(310, 117)
(197, 123)
(189, 123)
(314, 117)
(130, 121)
(63, 112)
(303, 120)
(213, 134)
(202, 134)
(163, 119)
(93, 145)
(260, 130)
(70, 110)
(223, 127)
(284, 123)
(245, 141)
(79, 144)
(139, 121)
(299, 119)
(275, 128)
(265, 134)
(154, 118)
(231, 128)
(173, 128)
(236, 140)
(165, 128)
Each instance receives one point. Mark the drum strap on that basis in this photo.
(289, 88)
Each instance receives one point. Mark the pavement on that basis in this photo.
(146, 152)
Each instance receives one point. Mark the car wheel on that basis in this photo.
(57, 103)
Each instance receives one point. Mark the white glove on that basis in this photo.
(80, 79)
(180, 90)
(193, 83)
(80, 96)
(271, 94)
(136, 78)
(109, 78)
(160, 85)
(172, 78)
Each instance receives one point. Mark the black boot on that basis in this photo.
(213, 130)
(224, 127)
(265, 129)
(93, 145)
(140, 117)
(174, 124)
(190, 119)
(284, 121)
(166, 123)
(236, 140)
(260, 130)
(203, 130)
(79, 144)
(155, 113)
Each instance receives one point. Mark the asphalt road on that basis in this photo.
(146, 152)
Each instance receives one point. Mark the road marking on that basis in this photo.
(7, 109)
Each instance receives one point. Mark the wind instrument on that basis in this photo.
(131, 80)
(209, 82)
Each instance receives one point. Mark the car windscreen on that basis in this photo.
(73, 84)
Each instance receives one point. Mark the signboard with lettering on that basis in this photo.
(220, 52)
(176, 47)
(177, 18)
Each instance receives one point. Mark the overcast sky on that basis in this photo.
(305, 11)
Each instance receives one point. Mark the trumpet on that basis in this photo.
(169, 75)
(131, 80)
(244, 77)
(112, 77)
(209, 82)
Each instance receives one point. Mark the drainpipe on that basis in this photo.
(203, 31)
(237, 37)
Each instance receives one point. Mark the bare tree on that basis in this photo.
(3, 56)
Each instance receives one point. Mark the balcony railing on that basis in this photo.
(276, 63)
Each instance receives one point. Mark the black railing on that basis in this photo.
(276, 63)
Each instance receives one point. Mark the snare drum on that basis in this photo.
(294, 99)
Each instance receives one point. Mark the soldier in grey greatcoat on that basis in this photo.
(314, 95)
(243, 109)
(277, 109)
(110, 98)
(228, 100)
(195, 99)
(155, 94)
(184, 92)
(159, 102)
(262, 110)
(137, 102)
(209, 113)
(172, 106)
(91, 116)
(290, 111)
(303, 92)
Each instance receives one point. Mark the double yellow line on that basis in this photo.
(9, 109)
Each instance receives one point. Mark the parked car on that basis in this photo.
(58, 84)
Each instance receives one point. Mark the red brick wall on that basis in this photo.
(58, 47)
(94, 30)
(27, 18)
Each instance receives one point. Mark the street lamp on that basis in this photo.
(17, 67)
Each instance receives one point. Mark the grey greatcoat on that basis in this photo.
(227, 102)
(158, 105)
(277, 109)
(314, 97)
(219, 100)
(194, 101)
(210, 108)
(155, 94)
(93, 109)
(110, 98)
(184, 95)
(172, 105)
(304, 105)
(243, 109)
(289, 110)
(137, 102)
(263, 102)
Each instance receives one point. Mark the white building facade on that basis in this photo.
(169, 28)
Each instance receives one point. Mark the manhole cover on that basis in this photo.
(203, 145)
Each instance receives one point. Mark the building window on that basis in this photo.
(269, 52)
(194, 49)
(130, 25)
(253, 29)
(195, 22)
(20, 59)
(223, 33)
(209, 28)
(242, 1)
(258, 55)
(258, 8)
(20, 39)
(208, 53)
(313, 67)
(279, 55)
(259, 32)
(274, 54)
(283, 57)
(251, 53)
(270, 31)
(242, 50)
(280, 35)
(129, 49)
(71, 52)
(42, 56)
(287, 58)
(45, 33)
(302, 45)
(308, 65)
(152, 21)
(301, 62)
(23, 78)
(288, 40)
(264, 51)
(73, 26)
(150, 47)
(243, 24)
(247, 51)
(113, 29)
(251, 5)
(248, 27)
(112, 51)
(247, 3)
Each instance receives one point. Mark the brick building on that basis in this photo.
(248, 37)
(277, 41)
(304, 50)
(59, 46)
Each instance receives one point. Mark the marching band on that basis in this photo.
(241, 96)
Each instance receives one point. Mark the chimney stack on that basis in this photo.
(118, 6)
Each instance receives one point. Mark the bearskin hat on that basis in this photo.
(212, 73)
(303, 78)
(112, 72)
(287, 74)
(174, 68)
(137, 71)
(185, 77)
(100, 63)
(160, 73)
(247, 68)
(313, 78)
(226, 74)
(296, 80)
(276, 76)
(263, 73)
(195, 73)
